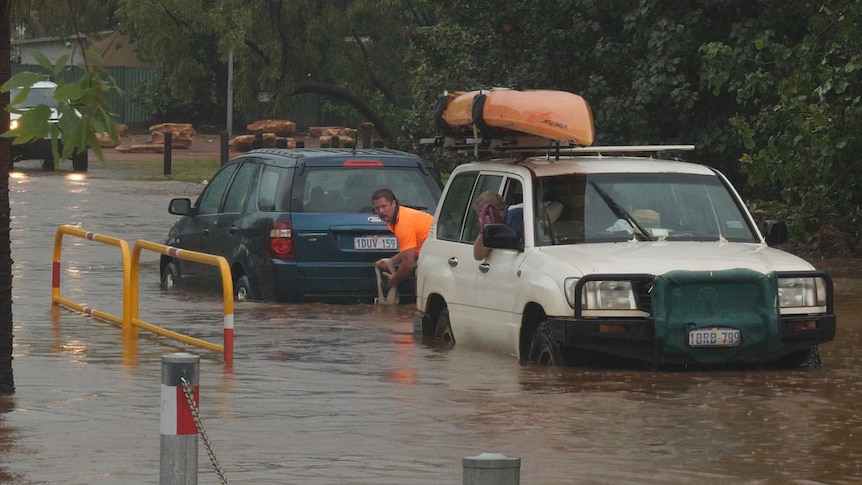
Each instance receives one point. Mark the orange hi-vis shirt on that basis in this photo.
(411, 228)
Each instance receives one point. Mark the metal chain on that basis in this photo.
(189, 392)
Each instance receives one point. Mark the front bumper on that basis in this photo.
(675, 304)
(636, 339)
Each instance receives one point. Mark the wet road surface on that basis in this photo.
(343, 394)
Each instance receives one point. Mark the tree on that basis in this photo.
(7, 381)
(800, 94)
(348, 51)
(85, 96)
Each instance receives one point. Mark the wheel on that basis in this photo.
(80, 161)
(170, 276)
(241, 289)
(48, 165)
(806, 359)
(544, 350)
(443, 330)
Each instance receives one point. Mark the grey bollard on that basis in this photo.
(492, 469)
(179, 433)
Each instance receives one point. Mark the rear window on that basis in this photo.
(343, 189)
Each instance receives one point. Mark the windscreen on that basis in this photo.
(35, 97)
(342, 189)
(651, 206)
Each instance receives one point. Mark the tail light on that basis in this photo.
(281, 240)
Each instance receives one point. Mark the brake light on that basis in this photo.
(281, 240)
(363, 163)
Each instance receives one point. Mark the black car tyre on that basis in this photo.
(80, 161)
(544, 350)
(242, 289)
(443, 330)
(48, 164)
(170, 276)
(806, 359)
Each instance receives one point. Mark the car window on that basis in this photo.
(595, 208)
(340, 189)
(454, 208)
(35, 97)
(484, 184)
(271, 178)
(238, 191)
(210, 199)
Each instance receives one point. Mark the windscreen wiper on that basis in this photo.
(620, 212)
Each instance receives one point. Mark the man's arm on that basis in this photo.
(408, 263)
(480, 252)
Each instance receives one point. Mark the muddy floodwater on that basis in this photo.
(344, 394)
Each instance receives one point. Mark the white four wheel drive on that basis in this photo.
(621, 258)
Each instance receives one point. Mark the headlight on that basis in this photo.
(609, 295)
(13, 124)
(569, 289)
(801, 292)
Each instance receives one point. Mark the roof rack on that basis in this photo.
(538, 145)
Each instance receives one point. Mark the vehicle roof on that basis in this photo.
(289, 157)
(333, 152)
(549, 166)
(41, 85)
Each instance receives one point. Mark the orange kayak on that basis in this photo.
(555, 115)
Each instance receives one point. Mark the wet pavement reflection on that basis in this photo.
(344, 394)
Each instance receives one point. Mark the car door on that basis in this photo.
(457, 229)
(225, 236)
(497, 278)
(198, 227)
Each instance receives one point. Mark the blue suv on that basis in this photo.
(297, 224)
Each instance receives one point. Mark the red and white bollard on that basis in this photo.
(179, 433)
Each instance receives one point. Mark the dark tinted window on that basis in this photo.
(344, 189)
(238, 192)
(210, 199)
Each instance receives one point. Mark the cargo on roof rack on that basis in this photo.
(500, 113)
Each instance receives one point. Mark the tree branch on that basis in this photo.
(364, 108)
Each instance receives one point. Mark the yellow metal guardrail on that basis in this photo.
(92, 236)
(130, 320)
(227, 291)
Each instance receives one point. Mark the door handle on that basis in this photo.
(484, 267)
(205, 232)
(232, 230)
(453, 261)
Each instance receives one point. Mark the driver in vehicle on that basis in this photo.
(491, 209)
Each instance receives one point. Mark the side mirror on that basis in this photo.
(501, 236)
(180, 207)
(775, 232)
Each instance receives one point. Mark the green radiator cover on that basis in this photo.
(735, 298)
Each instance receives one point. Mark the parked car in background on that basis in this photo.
(623, 259)
(297, 224)
(41, 93)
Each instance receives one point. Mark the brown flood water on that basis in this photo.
(343, 394)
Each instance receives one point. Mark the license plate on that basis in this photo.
(375, 243)
(714, 337)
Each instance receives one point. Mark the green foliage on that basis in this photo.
(800, 94)
(82, 107)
